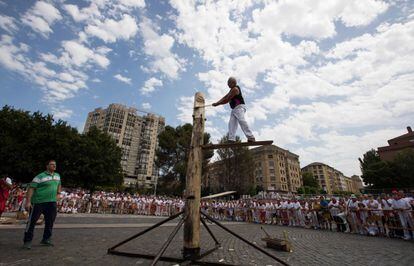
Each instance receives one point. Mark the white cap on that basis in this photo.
(9, 181)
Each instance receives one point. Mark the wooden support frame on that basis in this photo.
(192, 215)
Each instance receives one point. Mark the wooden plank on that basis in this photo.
(219, 195)
(235, 144)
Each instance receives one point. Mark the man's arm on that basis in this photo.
(29, 195)
(233, 92)
(59, 189)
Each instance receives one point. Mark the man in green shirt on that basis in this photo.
(41, 198)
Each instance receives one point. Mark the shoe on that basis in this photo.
(47, 242)
(252, 139)
(27, 245)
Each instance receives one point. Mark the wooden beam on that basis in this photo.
(218, 195)
(235, 144)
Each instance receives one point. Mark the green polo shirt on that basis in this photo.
(46, 187)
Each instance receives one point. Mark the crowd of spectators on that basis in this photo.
(384, 215)
(389, 215)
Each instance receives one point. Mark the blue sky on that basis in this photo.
(327, 80)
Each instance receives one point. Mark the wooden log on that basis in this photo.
(193, 182)
(222, 194)
(236, 144)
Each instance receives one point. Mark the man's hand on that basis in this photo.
(215, 104)
(28, 205)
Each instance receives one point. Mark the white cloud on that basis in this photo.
(159, 48)
(185, 107)
(361, 13)
(40, 17)
(61, 113)
(122, 78)
(305, 92)
(8, 23)
(150, 85)
(86, 13)
(55, 85)
(78, 54)
(111, 30)
(133, 3)
(146, 106)
(342, 151)
(9, 54)
(314, 19)
(46, 11)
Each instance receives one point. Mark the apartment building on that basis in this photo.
(332, 180)
(275, 169)
(136, 135)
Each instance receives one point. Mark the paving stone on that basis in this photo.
(88, 246)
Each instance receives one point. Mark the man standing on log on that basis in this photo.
(235, 98)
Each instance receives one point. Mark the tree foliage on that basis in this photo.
(309, 180)
(398, 173)
(403, 168)
(29, 140)
(238, 168)
(172, 157)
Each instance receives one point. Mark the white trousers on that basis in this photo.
(236, 118)
(406, 221)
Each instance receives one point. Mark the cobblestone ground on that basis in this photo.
(84, 240)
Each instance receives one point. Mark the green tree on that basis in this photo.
(172, 157)
(238, 164)
(98, 165)
(28, 141)
(375, 172)
(309, 180)
(403, 168)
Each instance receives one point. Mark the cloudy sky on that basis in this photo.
(327, 80)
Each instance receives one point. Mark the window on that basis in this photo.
(271, 163)
(270, 156)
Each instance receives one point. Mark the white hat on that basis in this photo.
(9, 181)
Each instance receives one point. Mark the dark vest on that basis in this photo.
(236, 100)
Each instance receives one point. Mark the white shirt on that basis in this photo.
(401, 204)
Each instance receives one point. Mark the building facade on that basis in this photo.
(275, 169)
(356, 184)
(136, 135)
(395, 145)
(332, 180)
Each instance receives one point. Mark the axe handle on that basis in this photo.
(206, 105)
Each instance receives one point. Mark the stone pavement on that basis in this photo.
(84, 240)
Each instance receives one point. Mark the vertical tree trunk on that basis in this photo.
(193, 182)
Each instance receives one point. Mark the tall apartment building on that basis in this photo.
(136, 135)
(276, 169)
(332, 180)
